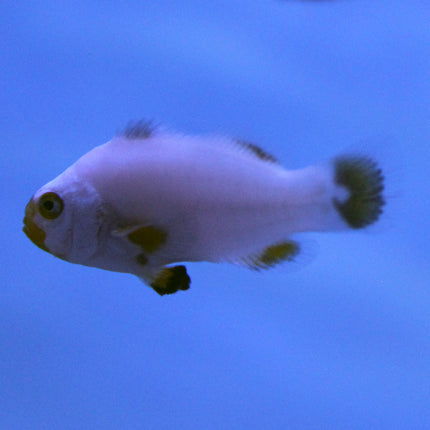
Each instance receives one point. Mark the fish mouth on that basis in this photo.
(31, 229)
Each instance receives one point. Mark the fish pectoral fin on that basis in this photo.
(170, 280)
(274, 255)
(148, 237)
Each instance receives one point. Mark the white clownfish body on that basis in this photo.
(148, 199)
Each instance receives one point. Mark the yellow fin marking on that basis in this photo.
(275, 254)
(148, 238)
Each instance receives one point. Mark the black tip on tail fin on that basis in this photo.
(364, 180)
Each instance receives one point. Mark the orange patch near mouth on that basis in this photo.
(32, 231)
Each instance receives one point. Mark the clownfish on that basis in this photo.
(149, 199)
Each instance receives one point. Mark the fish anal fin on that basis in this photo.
(170, 280)
(256, 150)
(274, 255)
(149, 238)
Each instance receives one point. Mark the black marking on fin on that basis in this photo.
(364, 180)
(256, 150)
(142, 129)
(275, 254)
(170, 280)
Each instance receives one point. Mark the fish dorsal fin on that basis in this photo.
(138, 130)
(273, 255)
(255, 150)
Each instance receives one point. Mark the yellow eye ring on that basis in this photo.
(50, 205)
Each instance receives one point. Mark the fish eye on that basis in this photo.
(50, 205)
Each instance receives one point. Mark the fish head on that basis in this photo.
(63, 218)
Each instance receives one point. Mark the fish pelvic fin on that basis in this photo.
(364, 181)
(169, 280)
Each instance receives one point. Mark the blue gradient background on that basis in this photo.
(343, 343)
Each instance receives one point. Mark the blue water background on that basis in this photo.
(343, 343)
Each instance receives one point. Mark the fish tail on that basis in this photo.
(364, 181)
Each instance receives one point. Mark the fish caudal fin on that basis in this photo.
(364, 181)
